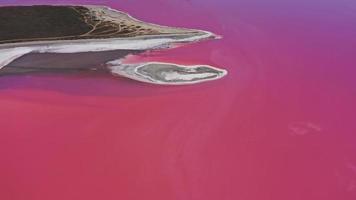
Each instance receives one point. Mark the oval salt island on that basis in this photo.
(53, 38)
(167, 73)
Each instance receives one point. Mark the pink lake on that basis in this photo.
(280, 126)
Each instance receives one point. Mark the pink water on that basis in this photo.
(280, 126)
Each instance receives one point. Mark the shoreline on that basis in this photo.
(165, 38)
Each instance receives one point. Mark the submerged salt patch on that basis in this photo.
(8, 55)
(175, 76)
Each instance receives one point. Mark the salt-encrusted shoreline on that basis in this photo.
(170, 35)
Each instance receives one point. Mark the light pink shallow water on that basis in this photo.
(280, 126)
